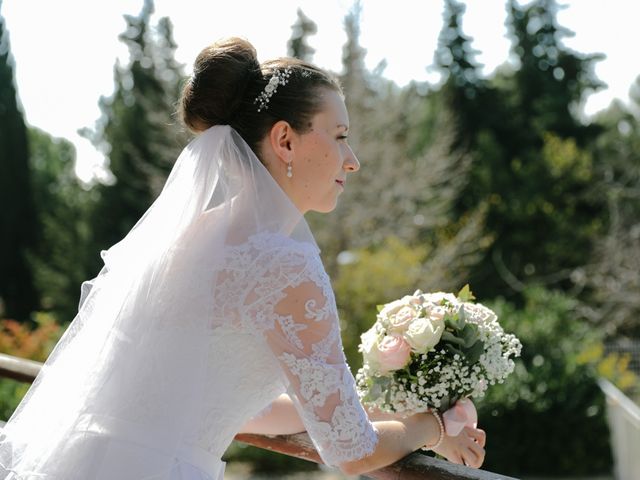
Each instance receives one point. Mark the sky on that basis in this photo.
(65, 50)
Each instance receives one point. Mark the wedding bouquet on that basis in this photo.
(433, 351)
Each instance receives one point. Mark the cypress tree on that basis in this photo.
(137, 129)
(18, 225)
(60, 261)
(297, 45)
(455, 59)
(531, 164)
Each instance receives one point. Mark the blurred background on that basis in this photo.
(511, 163)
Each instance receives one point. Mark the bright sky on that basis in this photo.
(65, 50)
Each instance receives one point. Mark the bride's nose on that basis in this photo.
(351, 163)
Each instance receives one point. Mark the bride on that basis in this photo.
(214, 315)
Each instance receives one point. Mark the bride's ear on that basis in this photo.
(281, 140)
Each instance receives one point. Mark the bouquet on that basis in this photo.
(433, 351)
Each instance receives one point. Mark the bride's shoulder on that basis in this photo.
(268, 252)
(273, 261)
(278, 245)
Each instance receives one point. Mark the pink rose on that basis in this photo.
(394, 353)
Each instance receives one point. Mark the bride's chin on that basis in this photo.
(325, 208)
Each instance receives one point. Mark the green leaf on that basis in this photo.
(470, 334)
(462, 318)
(379, 308)
(451, 338)
(473, 353)
(465, 294)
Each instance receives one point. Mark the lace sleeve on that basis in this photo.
(304, 335)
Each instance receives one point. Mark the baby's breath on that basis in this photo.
(441, 376)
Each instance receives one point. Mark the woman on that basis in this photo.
(214, 315)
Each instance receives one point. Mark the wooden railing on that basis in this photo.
(413, 467)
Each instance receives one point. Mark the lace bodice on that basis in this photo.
(276, 329)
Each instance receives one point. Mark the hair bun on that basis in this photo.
(220, 77)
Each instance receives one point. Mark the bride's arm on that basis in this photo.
(397, 436)
(375, 414)
(280, 418)
(304, 337)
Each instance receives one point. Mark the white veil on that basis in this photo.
(133, 357)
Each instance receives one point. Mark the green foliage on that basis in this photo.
(610, 279)
(297, 46)
(455, 54)
(369, 277)
(24, 342)
(263, 461)
(531, 163)
(463, 90)
(376, 276)
(551, 406)
(613, 366)
(60, 261)
(11, 393)
(137, 130)
(18, 222)
(465, 294)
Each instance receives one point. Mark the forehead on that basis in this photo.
(333, 112)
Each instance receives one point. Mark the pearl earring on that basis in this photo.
(289, 170)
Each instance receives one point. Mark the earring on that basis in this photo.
(289, 170)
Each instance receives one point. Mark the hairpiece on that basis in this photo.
(280, 77)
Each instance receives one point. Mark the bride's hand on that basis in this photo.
(467, 448)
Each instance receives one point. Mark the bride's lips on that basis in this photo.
(340, 182)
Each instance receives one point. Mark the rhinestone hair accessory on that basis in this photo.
(280, 77)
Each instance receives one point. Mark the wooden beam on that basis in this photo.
(19, 369)
(415, 466)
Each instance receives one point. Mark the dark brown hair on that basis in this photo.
(227, 78)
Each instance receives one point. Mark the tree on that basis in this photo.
(332, 234)
(297, 46)
(61, 260)
(402, 190)
(609, 282)
(551, 79)
(18, 223)
(552, 401)
(531, 161)
(455, 60)
(137, 129)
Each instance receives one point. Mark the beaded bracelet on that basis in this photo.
(441, 437)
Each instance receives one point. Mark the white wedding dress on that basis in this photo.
(160, 394)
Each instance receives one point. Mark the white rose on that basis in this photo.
(437, 297)
(369, 348)
(402, 318)
(424, 333)
(391, 308)
(394, 307)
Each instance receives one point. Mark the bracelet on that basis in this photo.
(441, 437)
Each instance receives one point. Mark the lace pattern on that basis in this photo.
(288, 301)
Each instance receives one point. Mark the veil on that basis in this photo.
(133, 357)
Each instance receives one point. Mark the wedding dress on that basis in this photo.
(210, 308)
